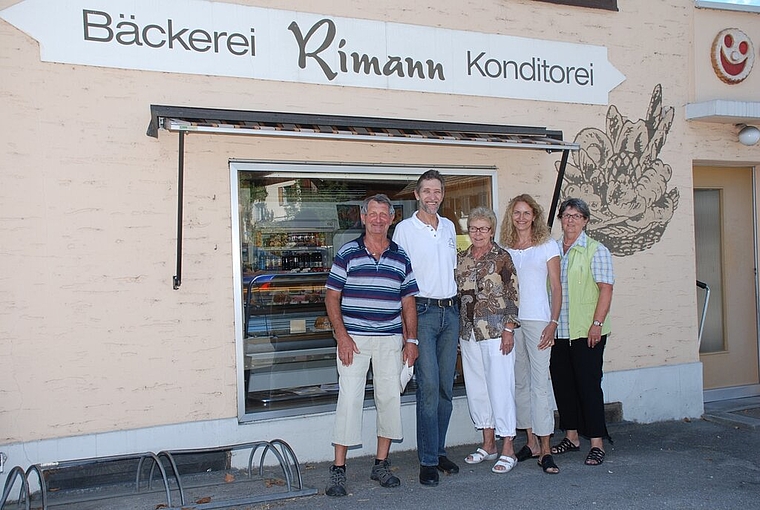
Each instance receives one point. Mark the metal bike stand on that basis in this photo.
(39, 470)
(259, 450)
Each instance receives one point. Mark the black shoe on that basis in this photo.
(429, 475)
(448, 467)
(337, 484)
(382, 473)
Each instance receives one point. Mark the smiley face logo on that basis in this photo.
(732, 55)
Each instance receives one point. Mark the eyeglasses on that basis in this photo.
(482, 230)
(575, 217)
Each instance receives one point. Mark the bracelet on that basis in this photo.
(555, 321)
(412, 341)
(508, 330)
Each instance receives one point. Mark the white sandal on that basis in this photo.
(505, 462)
(479, 456)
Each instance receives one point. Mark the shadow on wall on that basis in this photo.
(623, 180)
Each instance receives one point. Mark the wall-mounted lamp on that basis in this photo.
(749, 135)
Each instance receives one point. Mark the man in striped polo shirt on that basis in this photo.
(370, 302)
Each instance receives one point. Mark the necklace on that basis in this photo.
(568, 243)
(523, 245)
(376, 252)
(566, 246)
(433, 223)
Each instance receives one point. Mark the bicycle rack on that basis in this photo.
(259, 450)
(284, 454)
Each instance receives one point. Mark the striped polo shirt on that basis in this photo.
(371, 289)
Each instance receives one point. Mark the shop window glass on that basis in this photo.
(290, 225)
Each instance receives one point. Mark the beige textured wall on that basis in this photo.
(93, 336)
(713, 143)
(707, 24)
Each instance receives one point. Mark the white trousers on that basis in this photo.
(385, 354)
(489, 377)
(532, 381)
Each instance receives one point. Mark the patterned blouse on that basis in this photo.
(487, 293)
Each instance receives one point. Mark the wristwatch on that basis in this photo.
(412, 341)
(597, 323)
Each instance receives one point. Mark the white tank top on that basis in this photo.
(532, 279)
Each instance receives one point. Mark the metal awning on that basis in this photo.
(365, 129)
(184, 120)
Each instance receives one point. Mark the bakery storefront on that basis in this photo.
(293, 216)
(168, 283)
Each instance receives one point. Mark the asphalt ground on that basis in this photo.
(711, 463)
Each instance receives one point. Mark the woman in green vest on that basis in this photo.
(577, 356)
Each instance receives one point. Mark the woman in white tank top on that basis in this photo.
(536, 256)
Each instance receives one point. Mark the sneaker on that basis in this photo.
(337, 484)
(382, 473)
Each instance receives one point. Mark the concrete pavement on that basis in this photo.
(678, 464)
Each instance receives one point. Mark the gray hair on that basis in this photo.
(483, 213)
(380, 198)
(574, 203)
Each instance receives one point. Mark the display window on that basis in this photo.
(290, 221)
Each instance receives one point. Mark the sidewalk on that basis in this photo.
(696, 464)
(711, 463)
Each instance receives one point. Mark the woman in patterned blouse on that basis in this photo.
(487, 289)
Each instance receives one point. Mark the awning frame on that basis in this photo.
(184, 120)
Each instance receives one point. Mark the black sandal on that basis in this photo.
(525, 453)
(548, 465)
(565, 446)
(595, 457)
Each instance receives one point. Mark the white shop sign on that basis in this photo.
(220, 39)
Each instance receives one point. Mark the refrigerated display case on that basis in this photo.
(289, 345)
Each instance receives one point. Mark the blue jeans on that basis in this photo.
(438, 333)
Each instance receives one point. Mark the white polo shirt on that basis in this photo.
(433, 254)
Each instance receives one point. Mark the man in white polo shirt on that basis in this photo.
(430, 241)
